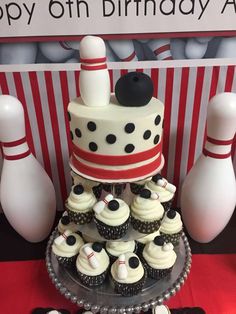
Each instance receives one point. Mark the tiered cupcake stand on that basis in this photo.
(103, 299)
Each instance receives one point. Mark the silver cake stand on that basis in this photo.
(103, 299)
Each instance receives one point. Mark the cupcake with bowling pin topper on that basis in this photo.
(158, 258)
(112, 217)
(116, 248)
(171, 227)
(66, 248)
(146, 212)
(165, 190)
(65, 224)
(141, 242)
(80, 204)
(92, 264)
(128, 274)
(89, 185)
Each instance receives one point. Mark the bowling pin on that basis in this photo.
(177, 48)
(227, 48)
(195, 49)
(56, 51)
(123, 49)
(26, 192)
(18, 53)
(208, 195)
(161, 48)
(94, 79)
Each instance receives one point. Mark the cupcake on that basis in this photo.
(116, 248)
(112, 217)
(128, 274)
(89, 185)
(92, 264)
(163, 188)
(171, 227)
(158, 258)
(66, 248)
(146, 212)
(141, 242)
(80, 205)
(65, 224)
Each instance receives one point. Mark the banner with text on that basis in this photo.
(37, 18)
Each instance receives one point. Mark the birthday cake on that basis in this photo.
(115, 137)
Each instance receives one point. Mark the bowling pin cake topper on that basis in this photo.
(99, 206)
(208, 195)
(26, 192)
(63, 237)
(89, 252)
(145, 193)
(160, 181)
(94, 80)
(122, 271)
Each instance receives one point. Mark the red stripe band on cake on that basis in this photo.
(129, 58)
(17, 157)
(116, 174)
(93, 67)
(219, 142)
(117, 160)
(207, 153)
(94, 60)
(14, 143)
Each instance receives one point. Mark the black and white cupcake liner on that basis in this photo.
(172, 238)
(92, 281)
(129, 289)
(67, 262)
(80, 218)
(145, 226)
(112, 232)
(156, 273)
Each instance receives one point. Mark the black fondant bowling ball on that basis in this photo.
(134, 89)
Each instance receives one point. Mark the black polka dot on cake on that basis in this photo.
(129, 148)
(71, 135)
(156, 139)
(93, 146)
(91, 126)
(129, 128)
(111, 138)
(69, 116)
(147, 134)
(157, 120)
(78, 132)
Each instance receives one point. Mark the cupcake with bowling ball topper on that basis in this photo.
(158, 258)
(89, 185)
(163, 188)
(141, 242)
(171, 227)
(92, 264)
(146, 212)
(112, 217)
(65, 224)
(80, 204)
(66, 248)
(128, 274)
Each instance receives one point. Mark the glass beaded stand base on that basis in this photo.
(103, 299)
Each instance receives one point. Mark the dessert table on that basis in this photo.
(25, 283)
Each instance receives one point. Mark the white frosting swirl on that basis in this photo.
(134, 274)
(149, 237)
(65, 250)
(170, 226)
(165, 195)
(81, 202)
(83, 265)
(146, 209)
(116, 217)
(116, 248)
(158, 258)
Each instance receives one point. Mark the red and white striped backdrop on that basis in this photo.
(185, 91)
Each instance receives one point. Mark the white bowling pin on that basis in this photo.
(94, 79)
(208, 195)
(161, 48)
(56, 51)
(26, 192)
(177, 48)
(195, 49)
(124, 49)
(18, 53)
(227, 48)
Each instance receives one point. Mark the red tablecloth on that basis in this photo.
(210, 285)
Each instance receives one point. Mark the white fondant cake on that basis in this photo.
(114, 142)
